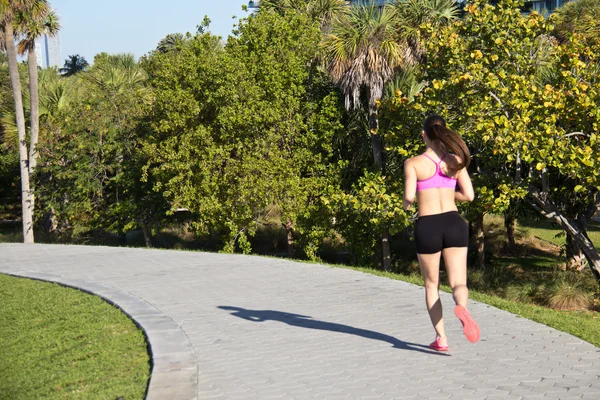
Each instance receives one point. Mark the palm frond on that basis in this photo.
(116, 73)
(414, 14)
(405, 82)
(361, 51)
(581, 16)
(73, 65)
(321, 11)
(170, 42)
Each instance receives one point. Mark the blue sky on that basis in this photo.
(136, 26)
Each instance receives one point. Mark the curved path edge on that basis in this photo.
(174, 369)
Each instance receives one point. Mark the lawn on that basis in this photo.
(550, 232)
(61, 343)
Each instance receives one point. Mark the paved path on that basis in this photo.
(239, 327)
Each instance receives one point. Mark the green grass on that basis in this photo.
(11, 232)
(61, 343)
(582, 324)
(550, 232)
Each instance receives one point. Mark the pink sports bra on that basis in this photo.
(438, 180)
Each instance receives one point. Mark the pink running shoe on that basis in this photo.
(437, 345)
(470, 328)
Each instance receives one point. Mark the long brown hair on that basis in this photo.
(448, 140)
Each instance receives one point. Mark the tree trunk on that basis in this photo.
(478, 239)
(376, 142)
(385, 249)
(539, 200)
(575, 257)
(509, 224)
(377, 147)
(289, 226)
(147, 234)
(51, 221)
(585, 244)
(34, 117)
(15, 80)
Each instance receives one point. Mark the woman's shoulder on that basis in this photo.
(417, 158)
(412, 161)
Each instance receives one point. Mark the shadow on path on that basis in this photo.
(303, 321)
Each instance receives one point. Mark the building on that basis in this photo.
(544, 6)
(380, 3)
(47, 51)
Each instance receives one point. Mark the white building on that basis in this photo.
(47, 51)
(545, 6)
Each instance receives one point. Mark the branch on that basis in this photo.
(548, 210)
(518, 167)
(533, 202)
(497, 99)
(544, 176)
(576, 134)
(499, 102)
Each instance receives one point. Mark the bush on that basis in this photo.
(570, 291)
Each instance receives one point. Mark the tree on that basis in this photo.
(9, 159)
(239, 132)
(581, 17)
(361, 52)
(33, 26)
(414, 14)
(91, 160)
(73, 65)
(8, 11)
(533, 134)
(322, 11)
(170, 42)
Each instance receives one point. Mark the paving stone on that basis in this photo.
(244, 327)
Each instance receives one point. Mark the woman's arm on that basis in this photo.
(465, 192)
(410, 184)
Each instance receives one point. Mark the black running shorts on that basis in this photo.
(439, 231)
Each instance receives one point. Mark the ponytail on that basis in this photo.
(449, 141)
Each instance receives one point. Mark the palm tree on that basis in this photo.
(412, 14)
(323, 11)
(32, 27)
(9, 9)
(580, 16)
(116, 73)
(361, 53)
(73, 65)
(406, 82)
(170, 42)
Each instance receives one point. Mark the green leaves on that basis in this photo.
(90, 154)
(526, 105)
(244, 128)
(362, 214)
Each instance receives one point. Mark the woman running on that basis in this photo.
(440, 230)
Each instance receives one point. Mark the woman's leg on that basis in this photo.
(455, 259)
(430, 269)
